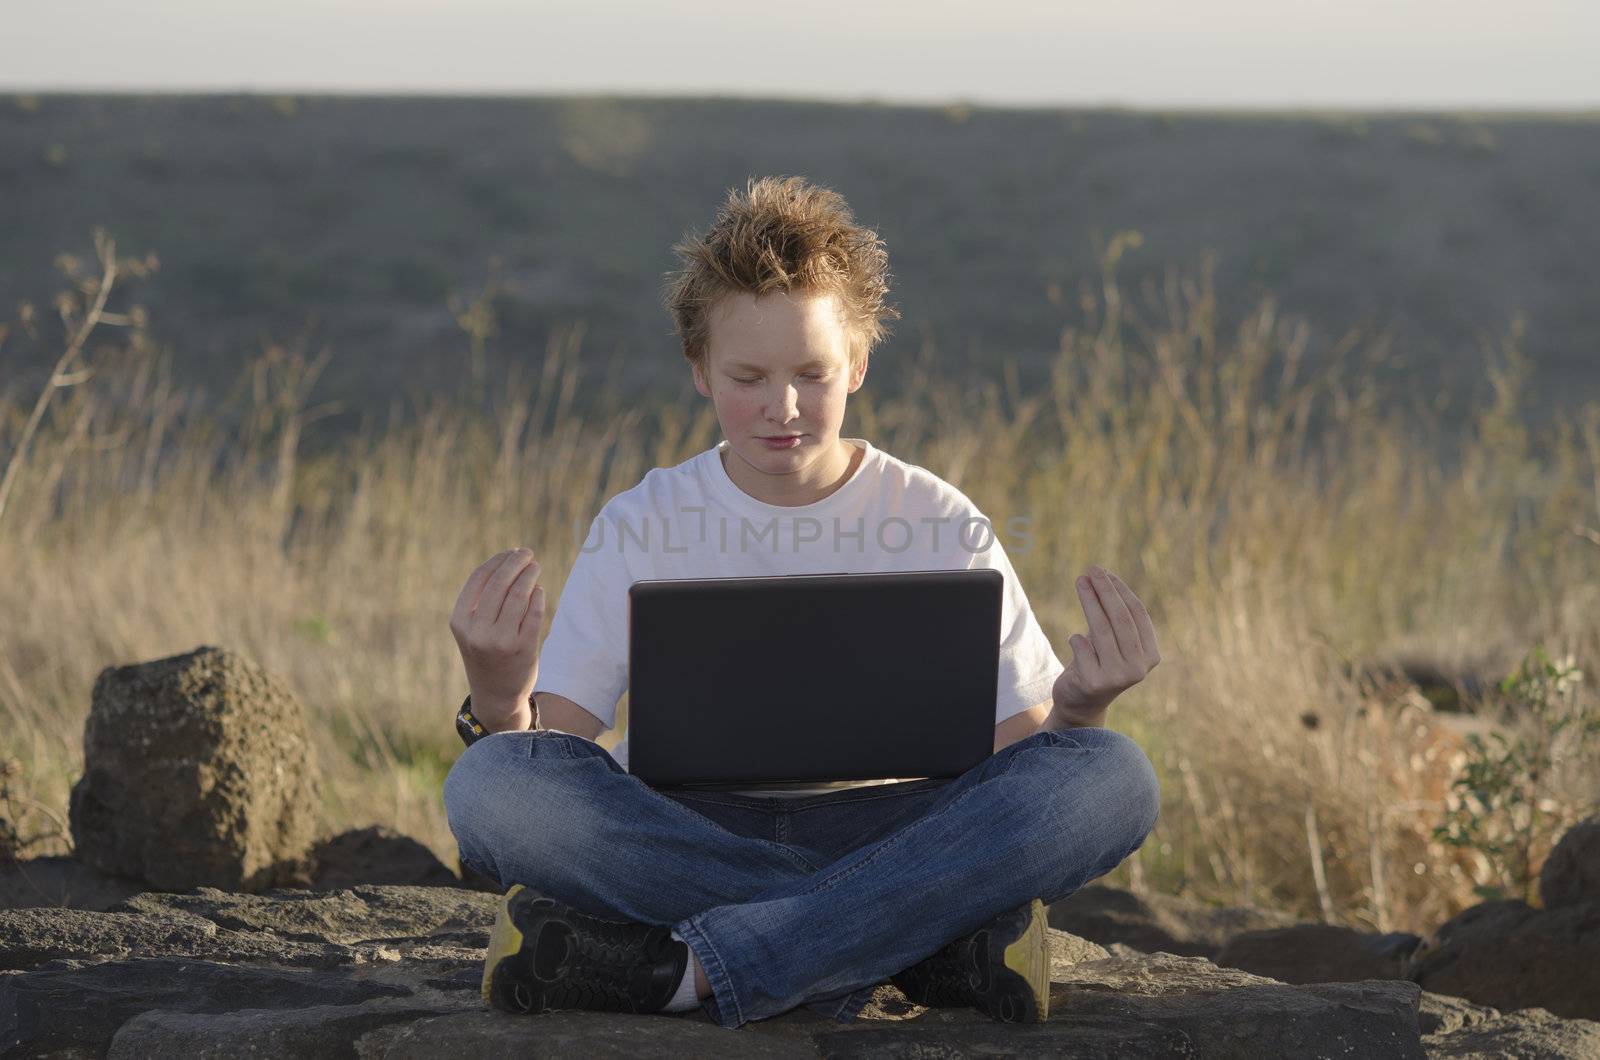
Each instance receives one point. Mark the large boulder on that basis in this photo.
(376, 854)
(1510, 955)
(1571, 873)
(62, 881)
(1158, 922)
(198, 771)
(1319, 953)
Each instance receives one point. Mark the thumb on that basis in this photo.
(1083, 648)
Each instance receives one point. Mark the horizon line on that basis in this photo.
(867, 99)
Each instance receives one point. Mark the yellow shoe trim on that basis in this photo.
(1029, 956)
(504, 940)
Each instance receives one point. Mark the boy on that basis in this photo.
(748, 904)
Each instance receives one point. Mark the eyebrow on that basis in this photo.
(815, 362)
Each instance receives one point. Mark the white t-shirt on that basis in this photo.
(692, 521)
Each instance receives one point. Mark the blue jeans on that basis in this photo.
(809, 900)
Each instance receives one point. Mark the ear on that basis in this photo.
(858, 374)
(700, 383)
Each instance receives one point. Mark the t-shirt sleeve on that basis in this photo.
(1028, 664)
(585, 656)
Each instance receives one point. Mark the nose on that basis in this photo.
(786, 405)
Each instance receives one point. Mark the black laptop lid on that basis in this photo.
(741, 681)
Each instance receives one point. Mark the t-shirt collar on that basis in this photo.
(728, 490)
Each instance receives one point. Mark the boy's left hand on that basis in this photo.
(1116, 655)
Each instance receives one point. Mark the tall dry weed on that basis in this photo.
(1285, 529)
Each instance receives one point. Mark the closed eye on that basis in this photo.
(813, 376)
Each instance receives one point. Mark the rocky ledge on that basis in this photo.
(200, 915)
(393, 970)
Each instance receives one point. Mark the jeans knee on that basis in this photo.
(1142, 789)
(1114, 774)
(468, 792)
(516, 797)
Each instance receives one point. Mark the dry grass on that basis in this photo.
(1279, 529)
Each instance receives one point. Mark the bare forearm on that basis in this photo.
(1036, 719)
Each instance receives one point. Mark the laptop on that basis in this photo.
(734, 682)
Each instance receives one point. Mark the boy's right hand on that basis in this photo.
(496, 622)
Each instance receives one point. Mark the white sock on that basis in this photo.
(684, 998)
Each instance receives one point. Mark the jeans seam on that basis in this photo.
(733, 801)
(783, 848)
(717, 971)
(1011, 761)
(875, 796)
(563, 740)
(893, 840)
(559, 740)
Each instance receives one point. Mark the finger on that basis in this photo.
(502, 583)
(1141, 619)
(467, 601)
(520, 594)
(533, 617)
(1122, 624)
(493, 596)
(1083, 653)
(1105, 641)
(491, 567)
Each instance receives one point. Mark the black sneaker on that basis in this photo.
(544, 955)
(1003, 968)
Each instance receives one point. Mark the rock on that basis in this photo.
(597, 1035)
(1319, 953)
(69, 1005)
(393, 971)
(1229, 1013)
(1571, 873)
(478, 881)
(1509, 955)
(1531, 1034)
(1442, 1014)
(1067, 949)
(1150, 1006)
(197, 772)
(32, 937)
(318, 1030)
(376, 855)
(62, 881)
(393, 913)
(1157, 923)
(1086, 1037)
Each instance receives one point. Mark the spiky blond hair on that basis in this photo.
(781, 234)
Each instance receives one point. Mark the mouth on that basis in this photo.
(778, 437)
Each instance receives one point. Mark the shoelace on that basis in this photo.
(612, 958)
(943, 978)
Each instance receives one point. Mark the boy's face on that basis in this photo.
(776, 366)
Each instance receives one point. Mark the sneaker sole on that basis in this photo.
(505, 941)
(1024, 995)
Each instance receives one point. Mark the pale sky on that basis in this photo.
(1534, 54)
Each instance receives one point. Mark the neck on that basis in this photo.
(805, 486)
